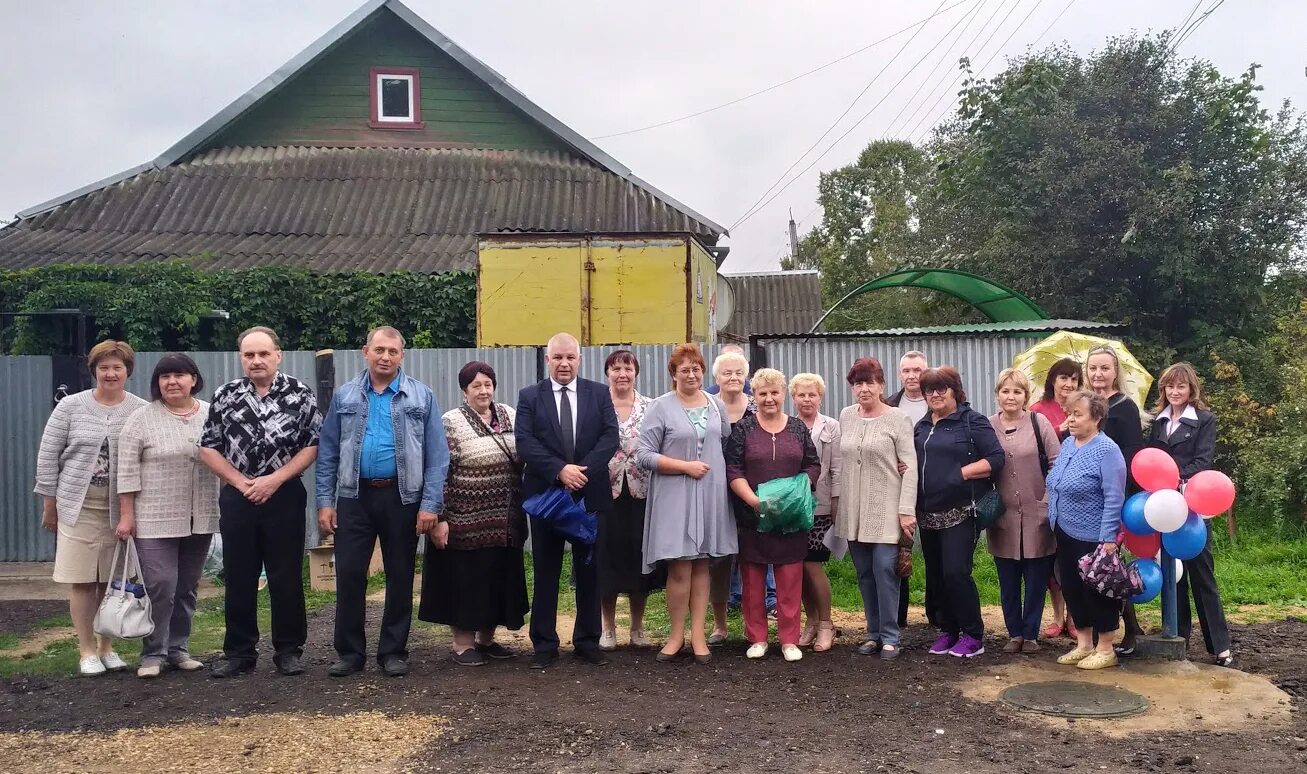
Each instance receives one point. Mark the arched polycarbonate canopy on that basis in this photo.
(997, 302)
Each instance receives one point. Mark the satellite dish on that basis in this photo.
(725, 306)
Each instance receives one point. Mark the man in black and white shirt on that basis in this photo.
(261, 434)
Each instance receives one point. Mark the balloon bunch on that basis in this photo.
(1162, 516)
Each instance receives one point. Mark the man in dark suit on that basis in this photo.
(566, 432)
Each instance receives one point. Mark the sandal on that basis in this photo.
(1225, 661)
(1125, 650)
(825, 637)
(1054, 629)
(809, 633)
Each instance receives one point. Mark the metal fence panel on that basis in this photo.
(978, 358)
(26, 397)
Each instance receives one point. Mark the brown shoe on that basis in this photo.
(825, 637)
(1030, 646)
(809, 634)
(1013, 645)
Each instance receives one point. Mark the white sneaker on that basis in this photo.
(149, 671)
(639, 639)
(188, 664)
(608, 641)
(791, 652)
(113, 662)
(90, 666)
(756, 650)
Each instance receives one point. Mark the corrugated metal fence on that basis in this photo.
(978, 358)
(26, 397)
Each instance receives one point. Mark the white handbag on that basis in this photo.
(122, 614)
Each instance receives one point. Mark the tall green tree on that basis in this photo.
(1127, 186)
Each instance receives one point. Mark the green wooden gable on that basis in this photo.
(327, 102)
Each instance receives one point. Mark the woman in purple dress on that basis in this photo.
(766, 446)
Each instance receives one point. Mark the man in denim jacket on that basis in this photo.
(381, 472)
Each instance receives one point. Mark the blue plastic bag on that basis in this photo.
(560, 511)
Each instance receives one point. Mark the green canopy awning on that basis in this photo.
(997, 302)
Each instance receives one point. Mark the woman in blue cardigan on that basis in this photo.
(1086, 489)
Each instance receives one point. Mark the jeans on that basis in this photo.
(948, 554)
(170, 569)
(878, 580)
(255, 537)
(736, 593)
(360, 522)
(1022, 612)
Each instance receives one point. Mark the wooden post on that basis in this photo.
(324, 362)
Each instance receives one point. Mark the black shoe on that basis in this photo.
(344, 668)
(591, 656)
(474, 657)
(667, 658)
(290, 665)
(394, 666)
(544, 660)
(495, 650)
(232, 667)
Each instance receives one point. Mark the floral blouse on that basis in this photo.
(622, 468)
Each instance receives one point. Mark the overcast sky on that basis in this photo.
(92, 88)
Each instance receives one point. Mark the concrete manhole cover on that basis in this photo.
(1074, 700)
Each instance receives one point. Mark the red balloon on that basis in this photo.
(1209, 493)
(1143, 546)
(1155, 470)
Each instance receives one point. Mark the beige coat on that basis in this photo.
(826, 437)
(872, 493)
(1022, 532)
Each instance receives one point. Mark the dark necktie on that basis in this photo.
(565, 424)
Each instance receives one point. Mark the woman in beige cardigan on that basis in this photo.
(1021, 540)
(75, 476)
(168, 501)
(807, 392)
(877, 504)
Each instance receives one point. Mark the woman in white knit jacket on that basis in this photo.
(168, 500)
(877, 503)
(75, 476)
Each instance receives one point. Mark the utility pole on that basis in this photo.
(794, 238)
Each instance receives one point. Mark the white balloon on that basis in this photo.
(1179, 570)
(1166, 510)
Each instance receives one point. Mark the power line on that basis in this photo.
(785, 82)
(748, 212)
(1001, 46)
(1192, 11)
(1195, 24)
(923, 94)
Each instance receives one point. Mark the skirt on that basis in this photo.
(619, 550)
(817, 550)
(83, 553)
(474, 590)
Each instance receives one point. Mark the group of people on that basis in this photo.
(672, 483)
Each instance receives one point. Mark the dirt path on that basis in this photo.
(831, 712)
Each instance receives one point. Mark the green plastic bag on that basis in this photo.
(786, 504)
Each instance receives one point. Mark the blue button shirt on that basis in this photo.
(378, 457)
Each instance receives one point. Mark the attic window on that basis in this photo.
(396, 98)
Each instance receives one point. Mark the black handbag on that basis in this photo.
(990, 505)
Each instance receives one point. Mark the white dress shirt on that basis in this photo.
(1172, 424)
(558, 402)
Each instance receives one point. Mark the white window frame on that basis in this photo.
(381, 116)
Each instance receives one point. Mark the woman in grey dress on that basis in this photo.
(687, 518)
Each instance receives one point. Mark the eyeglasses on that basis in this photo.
(689, 371)
(935, 390)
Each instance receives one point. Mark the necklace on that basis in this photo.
(185, 416)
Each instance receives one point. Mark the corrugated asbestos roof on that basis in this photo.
(774, 302)
(1019, 326)
(338, 209)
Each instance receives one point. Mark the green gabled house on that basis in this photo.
(383, 146)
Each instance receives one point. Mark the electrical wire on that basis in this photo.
(1195, 24)
(785, 82)
(760, 203)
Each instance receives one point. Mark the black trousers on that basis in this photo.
(1200, 576)
(547, 559)
(1088, 609)
(375, 513)
(949, 554)
(932, 608)
(1023, 608)
(256, 537)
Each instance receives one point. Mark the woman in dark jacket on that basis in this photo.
(1125, 427)
(1186, 430)
(957, 453)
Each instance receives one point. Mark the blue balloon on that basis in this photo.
(1132, 515)
(1188, 541)
(1150, 572)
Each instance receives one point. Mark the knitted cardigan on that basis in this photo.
(158, 457)
(70, 445)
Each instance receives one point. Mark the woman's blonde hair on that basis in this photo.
(1106, 349)
(800, 381)
(1017, 377)
(1176, 374)
(767, 377)
(729, 358)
